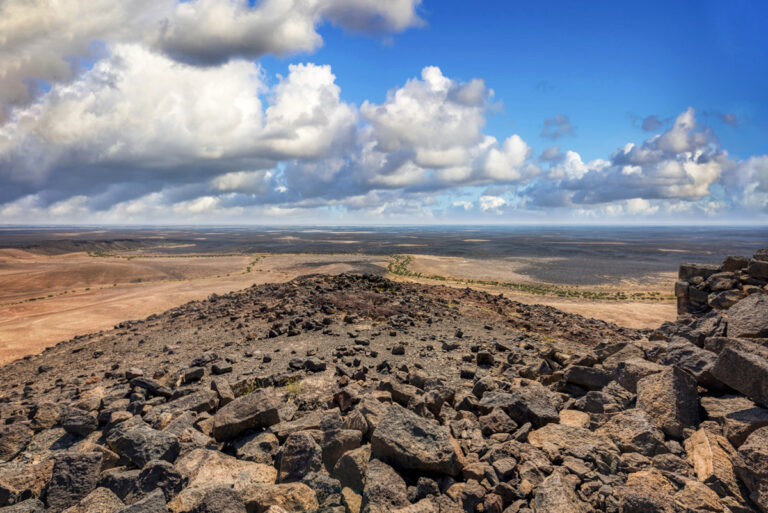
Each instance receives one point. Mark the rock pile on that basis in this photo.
(434, 400)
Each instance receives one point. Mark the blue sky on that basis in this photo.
(337, 111)
(603, 63)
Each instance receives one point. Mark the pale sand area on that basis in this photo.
(150, 285)
(30, 327)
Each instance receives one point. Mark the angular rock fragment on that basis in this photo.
(749, 317)
(74, 477)
(671, 399)
(752, 467)
(384, 489)
(743, 366)
(255, 410)
(410, 442)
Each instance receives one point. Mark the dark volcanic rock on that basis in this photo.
(743, 366)
(671, 399)
(13, 439)
(409, 442)
(141, 444)
(255, 410)
(749, 317)
(74, 476)
(384, 489)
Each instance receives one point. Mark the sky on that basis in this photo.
(333, 112)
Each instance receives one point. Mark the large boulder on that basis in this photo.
(384, 489)
(350, 469)
(671, 399)
(301, 455)
(13, 439)
(74, 477)
(205, 468)
(534, 403)
(558, 441)
(712, 458)
(409, 442)
(557, 494)
(749, 317)
(152, 503)
(259, 409)
(743, 366)
(696, 361)
(139, 444)
(752, 467)
(633, 430)
(291, 497)
(738, 415)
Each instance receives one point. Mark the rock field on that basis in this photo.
(352, 393)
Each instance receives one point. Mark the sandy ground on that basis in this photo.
(30, 327)
(122, 289)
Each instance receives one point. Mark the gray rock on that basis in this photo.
(152, 386)
(78, 422)
(159, 474)
(688, 271)
(259, 448)
(74, 476)
(738, 415)
(141, 444)
(629, 372)
(410, 442)
(670, 397)
(253, 411)
(27, 506)
(336, 442)
(152, 503)
(13, 439)
(300, 456)
(633, 430)
(220, 499)
(534, 403)
(557, 495)
(749, 317)
(590, 378)
(351, 467)
(696, 361)
(752, 466)
(384, 489)
(743, 366)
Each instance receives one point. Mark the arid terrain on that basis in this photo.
(58, 283)
(354, 393)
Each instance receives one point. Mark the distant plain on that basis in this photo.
(56, 283)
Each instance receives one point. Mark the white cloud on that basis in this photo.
(45, 40)
(136, 110)
(492, 203)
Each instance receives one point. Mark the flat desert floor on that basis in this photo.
(46, 298)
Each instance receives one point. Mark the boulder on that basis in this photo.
(141, 444)
(590, 378)
(384, 489)
(558, 441)
(258, 409)
(743, 366)
(101, 500)
(74, 476)
(687, 271)
(632, 370)
(152, 503)
(78, 422)
(749, 317)
(752, 467)
(670, 397)
(337, 442)
(557, 495)
(633, 430)
(351, 468)
(712, 459)
(300, 456)
(159, 474)
(696, 361)
(27, 506)
(259, 448)
(13, 439)
(647, 491)
(291, 497)
(534, 403)
(410, 442)
(738, 415)
(220, 499)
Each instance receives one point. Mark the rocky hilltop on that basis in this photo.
(354, 393)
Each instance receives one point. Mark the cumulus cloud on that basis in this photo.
(681, 164)
(652, 123)
(133, 117)
(557, 127)
(46, 41)
(492, 204)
